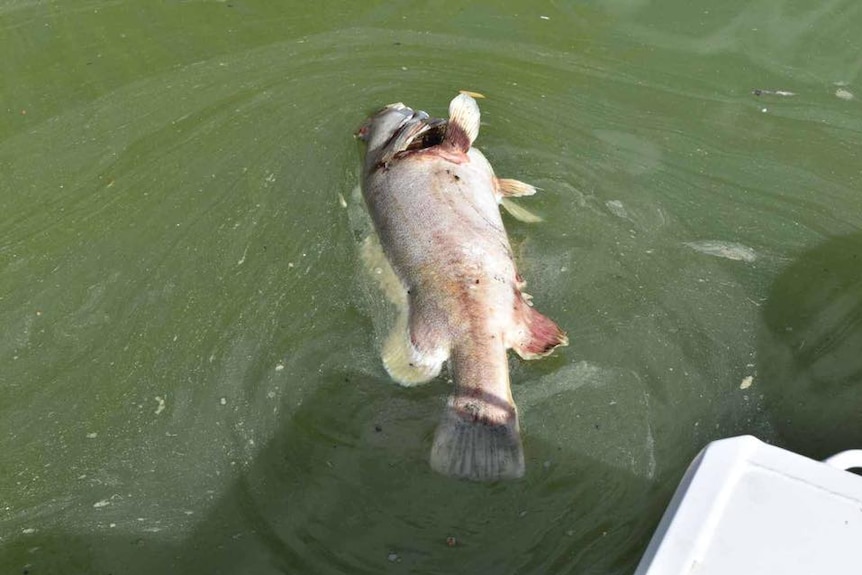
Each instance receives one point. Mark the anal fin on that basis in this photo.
(538, 336)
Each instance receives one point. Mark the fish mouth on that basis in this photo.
(417, 132)
(414, 130)
(432, 134)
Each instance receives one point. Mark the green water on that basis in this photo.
(188, 365)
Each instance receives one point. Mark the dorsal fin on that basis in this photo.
(463, 122)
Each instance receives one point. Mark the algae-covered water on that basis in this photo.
(189, 375)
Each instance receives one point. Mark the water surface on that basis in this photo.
(188, 357)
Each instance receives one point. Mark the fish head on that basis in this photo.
(397, 128)
(380, 127)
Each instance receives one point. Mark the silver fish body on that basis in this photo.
(434, 201)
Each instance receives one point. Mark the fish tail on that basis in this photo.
(470, 446)
(479, 436)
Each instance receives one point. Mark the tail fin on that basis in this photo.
(479, 437)
(470, 445)
(463, 125)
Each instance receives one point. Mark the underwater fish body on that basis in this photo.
(435, 204)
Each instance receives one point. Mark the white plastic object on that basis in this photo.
(846, 459)
(746, 507)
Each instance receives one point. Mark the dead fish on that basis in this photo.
(434, 202)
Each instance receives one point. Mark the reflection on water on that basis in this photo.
(811, 366)
(344, 487)
(189, 374)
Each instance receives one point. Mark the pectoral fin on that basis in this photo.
(509, 188)
(463, 125)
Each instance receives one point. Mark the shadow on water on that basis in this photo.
(344, 487)
(810, 350)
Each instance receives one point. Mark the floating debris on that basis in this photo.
(761, 92)
(451, 541)
(844, 94)
(161, 406)
(617, 208)
(728, 250)
(471, 94)
(746, 383)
